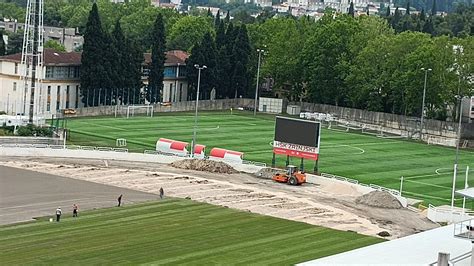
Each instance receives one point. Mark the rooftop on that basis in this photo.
(52, 57)
(417, 249)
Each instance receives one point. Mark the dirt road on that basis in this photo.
(327, 204)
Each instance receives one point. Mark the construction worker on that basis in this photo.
(162, 193)
(58, 214)
(74, 210)
(119, 200)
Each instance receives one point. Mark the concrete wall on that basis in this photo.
(204, 105)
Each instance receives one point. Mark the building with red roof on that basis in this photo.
(60, 82)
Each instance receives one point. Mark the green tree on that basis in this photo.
(12, 11)
(408, 8)
(434, 9)
(133, 81)
(158, 57)
(203, 53)
(120, 61)
(327, 66)
(220, 35)
(188, 31)
(55, 45)
(15, 42)
(94, 75)
(217, 20)
(241, 53)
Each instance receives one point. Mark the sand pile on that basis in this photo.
(204, 165)
(380, 199)
(268, 172)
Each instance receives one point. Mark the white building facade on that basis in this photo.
(58, 89)
(59, 86)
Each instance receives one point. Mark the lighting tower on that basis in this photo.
(32, 56)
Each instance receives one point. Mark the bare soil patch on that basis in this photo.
(379, 199)
(204, 165)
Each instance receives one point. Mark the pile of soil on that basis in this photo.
(380, 199)
(268, 172)
(204, 165)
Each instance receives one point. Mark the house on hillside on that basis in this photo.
(60, 82)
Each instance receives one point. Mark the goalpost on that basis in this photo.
(131, 110)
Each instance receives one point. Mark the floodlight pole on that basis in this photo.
(199, 68)
(423, 104)
(260, 51)
(457, 152)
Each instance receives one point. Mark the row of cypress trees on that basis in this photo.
(227, 59)
(111, 65)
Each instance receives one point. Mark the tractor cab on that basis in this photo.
(290, 170)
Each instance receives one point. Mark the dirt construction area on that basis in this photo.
(329, 204)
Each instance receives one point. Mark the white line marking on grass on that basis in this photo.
(363, 144)
(209, 129)
(437, 171)
(361, 151)
(99, 125)
(427, 184)
(425, 196)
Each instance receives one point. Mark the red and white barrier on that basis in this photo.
(226, 155)
(172, 146)
(199, 151)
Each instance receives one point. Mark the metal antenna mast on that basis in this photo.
(32, 55)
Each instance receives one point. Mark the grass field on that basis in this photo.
(172, 232)
(427, 169)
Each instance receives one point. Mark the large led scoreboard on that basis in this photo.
(296, 138)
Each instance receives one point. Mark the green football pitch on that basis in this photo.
(427, 169)
(172, 232)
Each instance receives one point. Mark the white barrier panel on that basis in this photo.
(226, 155)
(170, 146)
(199, 151)
(444, 214)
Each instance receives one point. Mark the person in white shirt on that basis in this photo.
(58, 214)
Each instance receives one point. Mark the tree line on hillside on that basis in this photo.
(183, 30)
(363, 63)
(459, 23)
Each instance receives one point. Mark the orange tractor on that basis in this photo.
(292, 176)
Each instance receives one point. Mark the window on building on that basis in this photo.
(14, 86)
(77, 72)
(170, 72)
(49, 71)
(67, 96)
(58, 98)
(77, 96)
(16, 68)
(48, 100)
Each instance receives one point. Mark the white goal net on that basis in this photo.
(133, 110)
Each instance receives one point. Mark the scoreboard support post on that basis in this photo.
(301, 165)
(287, 160)
(273, 160)
(316, 166)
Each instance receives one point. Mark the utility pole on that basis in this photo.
(199, 68)
(423, 104)
(259, 51)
